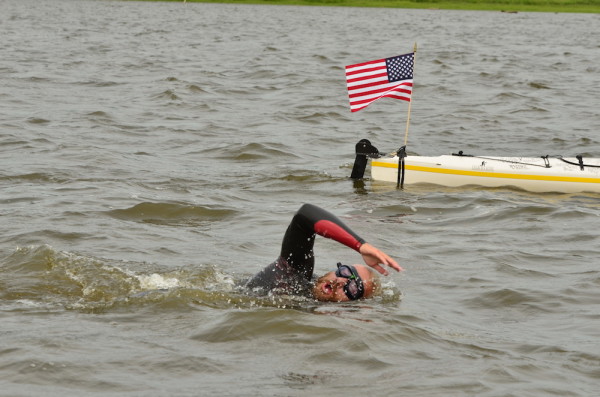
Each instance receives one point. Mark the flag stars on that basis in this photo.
(400, 67)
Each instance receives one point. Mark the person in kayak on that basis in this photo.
(292, 272)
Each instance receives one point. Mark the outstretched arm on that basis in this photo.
(297, 246)
(299, 239)
(326, 224)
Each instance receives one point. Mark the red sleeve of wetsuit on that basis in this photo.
(328, 225)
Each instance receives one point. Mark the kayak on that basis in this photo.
(535, 174)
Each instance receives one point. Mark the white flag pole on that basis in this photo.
(411, 97)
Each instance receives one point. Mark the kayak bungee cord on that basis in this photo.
(580, 164)
(579, 157)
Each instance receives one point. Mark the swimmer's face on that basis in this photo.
(330, 287)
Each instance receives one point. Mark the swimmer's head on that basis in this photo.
(346, 283)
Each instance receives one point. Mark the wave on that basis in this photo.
(171, 214)
(42, 278)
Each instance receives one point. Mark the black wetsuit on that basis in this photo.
(292, 272)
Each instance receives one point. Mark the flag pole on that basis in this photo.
(411, 97)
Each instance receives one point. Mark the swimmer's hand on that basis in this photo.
(374, 258)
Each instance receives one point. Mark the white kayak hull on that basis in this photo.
(533, 174)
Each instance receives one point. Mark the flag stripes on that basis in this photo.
(389, 77)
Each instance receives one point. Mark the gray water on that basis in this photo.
(152, 155)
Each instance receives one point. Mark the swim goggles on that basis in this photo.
(354, 288)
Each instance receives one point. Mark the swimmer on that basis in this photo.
(292, 272)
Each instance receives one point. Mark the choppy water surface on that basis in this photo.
(152, 155)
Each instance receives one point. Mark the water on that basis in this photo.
(152, 155)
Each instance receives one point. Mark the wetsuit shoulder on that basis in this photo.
(326, 224)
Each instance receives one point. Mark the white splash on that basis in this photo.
(156, 281)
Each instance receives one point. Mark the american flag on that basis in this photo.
(389, 77)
